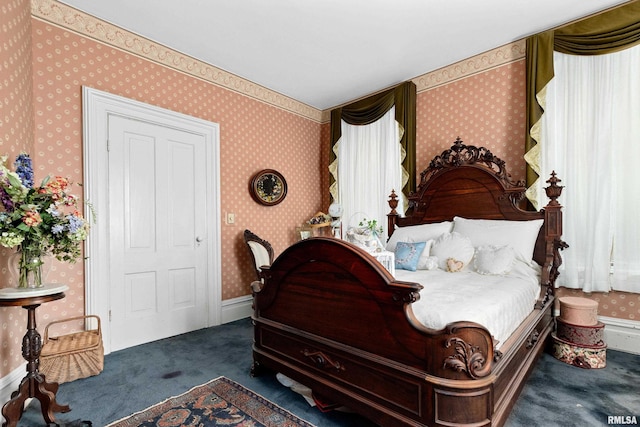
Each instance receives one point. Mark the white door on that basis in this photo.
(157, 212)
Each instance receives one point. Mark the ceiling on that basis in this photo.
(324, 53)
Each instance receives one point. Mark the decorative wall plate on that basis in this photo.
(268, 187)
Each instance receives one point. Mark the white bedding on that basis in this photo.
(499, 303)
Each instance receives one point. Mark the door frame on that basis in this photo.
(97, 106)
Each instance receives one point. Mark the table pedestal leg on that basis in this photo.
(33, 385)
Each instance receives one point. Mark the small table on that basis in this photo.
(33, 385)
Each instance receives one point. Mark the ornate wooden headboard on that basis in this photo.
(471, 182)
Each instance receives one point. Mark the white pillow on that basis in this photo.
(493, 259)
(520, 235)
(426, 261)
(417, 233)
(452, 246)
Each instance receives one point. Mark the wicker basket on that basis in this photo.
(70, 357)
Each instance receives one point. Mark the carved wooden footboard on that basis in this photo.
(330, 317)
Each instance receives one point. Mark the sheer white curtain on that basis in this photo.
(369, 167)
(591, 138)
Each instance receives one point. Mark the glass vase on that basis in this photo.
(26, 268)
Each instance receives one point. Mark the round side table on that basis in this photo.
(33, 385)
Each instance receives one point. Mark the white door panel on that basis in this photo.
(147, 290)
(158, 268)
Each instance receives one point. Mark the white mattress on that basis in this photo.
(499, 303)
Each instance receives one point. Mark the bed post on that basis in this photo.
(393, 215)
(553, 235)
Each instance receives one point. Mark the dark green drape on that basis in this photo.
(371, 109)
(607, 32)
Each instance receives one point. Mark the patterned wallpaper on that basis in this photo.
(16, 113)
(16, 135)
(484, 109)
(480, 99)
(254, 135)
(621, 305)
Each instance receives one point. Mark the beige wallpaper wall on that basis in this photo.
(16, 135)
(16, 112)
(254, 135)
(483, 109)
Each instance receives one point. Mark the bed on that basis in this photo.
(328, 315)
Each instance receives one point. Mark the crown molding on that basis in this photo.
(494, 58)
(71, 19)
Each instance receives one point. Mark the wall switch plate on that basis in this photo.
(231, 218)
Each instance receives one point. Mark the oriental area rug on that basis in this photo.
(220, 402)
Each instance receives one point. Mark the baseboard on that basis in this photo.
(236, 308)
(621, 334)
(10, 383)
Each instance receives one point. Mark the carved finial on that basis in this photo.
(393, 202)
(553, 190)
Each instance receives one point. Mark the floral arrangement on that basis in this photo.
(366, 234)
(38, 221)
(370, 226)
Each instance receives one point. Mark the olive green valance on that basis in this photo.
(605, 33)
(371, 109)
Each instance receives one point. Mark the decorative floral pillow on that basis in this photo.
(452, 246)
(408, 255)
(494, 260)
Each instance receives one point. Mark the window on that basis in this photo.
(369, 168)
(590, 134)
(361, 179)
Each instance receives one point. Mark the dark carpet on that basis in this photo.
(556, 394)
